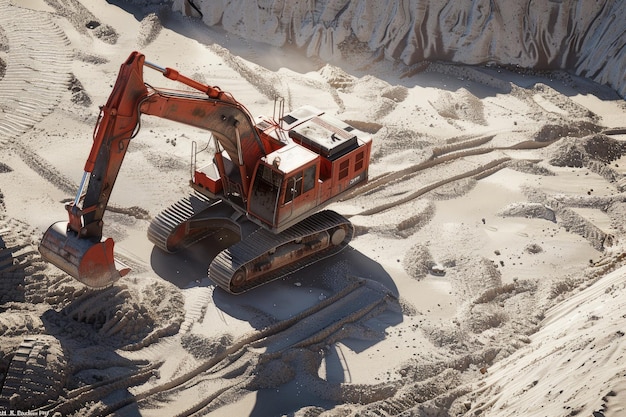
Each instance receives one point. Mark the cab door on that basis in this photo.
(300, 192)
(265, 195)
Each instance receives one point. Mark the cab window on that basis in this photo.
(309, 179)
(300, 183)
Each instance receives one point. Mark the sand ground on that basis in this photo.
(486, 275)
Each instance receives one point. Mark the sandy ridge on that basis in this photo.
(579, 37)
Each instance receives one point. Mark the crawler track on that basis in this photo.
(164, 225)
(173, 230)
(227, 263)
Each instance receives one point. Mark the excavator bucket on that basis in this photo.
(91, 263)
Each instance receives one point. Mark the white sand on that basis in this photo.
(486, 276)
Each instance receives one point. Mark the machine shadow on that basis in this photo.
(320, 369)
(189, 267)
(288, 296)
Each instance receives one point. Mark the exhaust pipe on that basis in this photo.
(91, 263)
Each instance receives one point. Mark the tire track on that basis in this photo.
(45, 170)
(19, 260)
(38, 65)
(439, 156)
(76, 399)
(36, 373)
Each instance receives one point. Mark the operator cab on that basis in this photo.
(284, 186)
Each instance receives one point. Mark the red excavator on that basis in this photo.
(267, 182)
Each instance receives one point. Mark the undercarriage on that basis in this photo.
(260, 255)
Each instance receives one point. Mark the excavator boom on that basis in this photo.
(77, 246)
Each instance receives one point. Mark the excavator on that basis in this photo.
(267, 182)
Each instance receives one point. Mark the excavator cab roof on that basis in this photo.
(290, 158)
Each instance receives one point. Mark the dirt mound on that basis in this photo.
(128, 316)
(337, 78)
(418, 261)
(90, 58)
(529, 210)
(390, 140)
(203, 347)
(4, 41)
(460, 105)
(150, 28)
(579, 153)
(530, 167)
(83, 20)
(604, 148)
(365, 126)
(4, 47)
(79, 95)
(397, 93)
(550, 132)
(133, 211)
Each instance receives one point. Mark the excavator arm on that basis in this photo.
(77, 246)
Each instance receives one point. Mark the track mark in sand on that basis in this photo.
(65, 184)
(197, 300)
(239, 361)
(46, 171)
(18, 260)
(476, 173)
(435, 159)
(78, 399)
(463, 144)
(384, 179)
(36, 374)
(440, 155)
(38, 64)
(83, 20)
